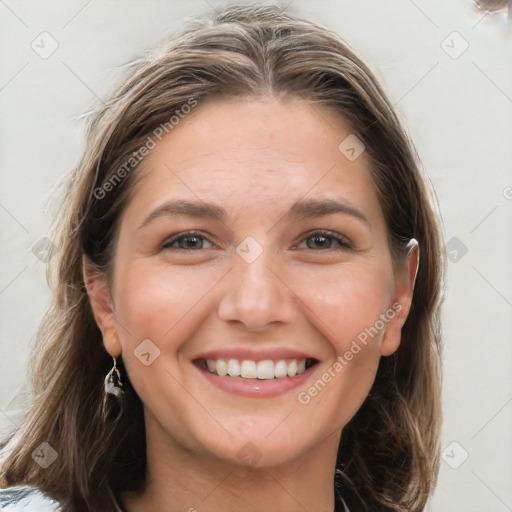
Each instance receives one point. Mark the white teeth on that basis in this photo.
(266, 369)
(248, 369)
(280, 369)
(233, 368)
(222, 367)
(292, 368)
(263, 370)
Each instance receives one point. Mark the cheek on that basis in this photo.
(346, 307)
(157, 302)
(348, 303)
(165, 306)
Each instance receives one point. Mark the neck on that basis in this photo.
(178, 479)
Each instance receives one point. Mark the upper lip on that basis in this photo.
(255, 354)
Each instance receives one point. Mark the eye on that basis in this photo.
(321, 240)
(187, 241)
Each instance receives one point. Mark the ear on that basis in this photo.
(101, 305)
(402, 300)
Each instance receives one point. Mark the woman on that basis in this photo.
(248, 283)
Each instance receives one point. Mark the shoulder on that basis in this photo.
(26, 499)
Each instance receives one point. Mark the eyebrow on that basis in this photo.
(311, 208)
(300, 210)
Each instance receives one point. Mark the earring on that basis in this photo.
(113, 392)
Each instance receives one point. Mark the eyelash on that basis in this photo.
(344, 244)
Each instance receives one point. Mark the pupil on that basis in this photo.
(192, 241)
(321, 241)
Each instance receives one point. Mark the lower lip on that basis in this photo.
(256, 387)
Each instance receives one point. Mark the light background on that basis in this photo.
(459, 114)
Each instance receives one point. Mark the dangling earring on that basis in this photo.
(113, 393)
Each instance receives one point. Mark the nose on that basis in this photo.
(257, 295)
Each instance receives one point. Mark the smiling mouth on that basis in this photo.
(266, 369)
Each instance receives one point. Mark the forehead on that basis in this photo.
(252, 154)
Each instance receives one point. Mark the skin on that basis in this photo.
(255, 158)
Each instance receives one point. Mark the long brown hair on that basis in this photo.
(388, 457)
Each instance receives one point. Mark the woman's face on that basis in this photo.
(254, 244)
